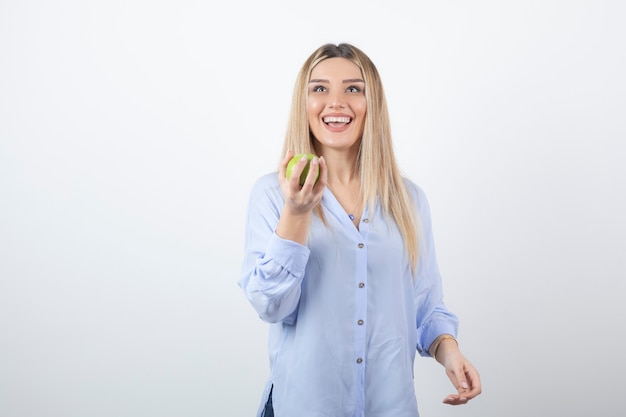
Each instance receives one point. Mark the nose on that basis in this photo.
(336, 100)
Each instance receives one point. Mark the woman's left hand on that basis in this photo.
(461, 372)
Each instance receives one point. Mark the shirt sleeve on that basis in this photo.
(273, 268)
(433, 317)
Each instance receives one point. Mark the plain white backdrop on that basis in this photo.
(131, 132)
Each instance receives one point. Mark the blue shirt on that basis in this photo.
(347, 313)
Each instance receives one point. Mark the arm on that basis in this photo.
(438, 329)
(433, 317)
(275, 256)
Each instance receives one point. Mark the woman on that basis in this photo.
(344, 267)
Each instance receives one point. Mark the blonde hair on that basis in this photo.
(376, 163)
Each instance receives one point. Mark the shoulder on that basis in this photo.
(417, 194)
(265, 181)
(266, 187)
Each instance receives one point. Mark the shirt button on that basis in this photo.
(366, 220)
(361, 284)
(360, 322)
(359, 360)
(360, 245)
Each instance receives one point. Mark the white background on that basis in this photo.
(131, 132)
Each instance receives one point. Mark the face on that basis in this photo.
(336, 103)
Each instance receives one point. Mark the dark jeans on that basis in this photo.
(269, 410)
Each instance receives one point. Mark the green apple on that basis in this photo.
(293, 161)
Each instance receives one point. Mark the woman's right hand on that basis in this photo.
(300, 200)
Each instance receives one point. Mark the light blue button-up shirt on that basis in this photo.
(347, 313)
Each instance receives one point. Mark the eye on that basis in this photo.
(353, 89)
(318, 89)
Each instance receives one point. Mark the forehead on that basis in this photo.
(336, 68)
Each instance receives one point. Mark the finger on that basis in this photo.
(455, 399)
(314, 167)
(298, 169)
(323, 178)
(459, 381)
(457, 377)
(465, 393)
(475, 387)
(283, 164)
(296, 172)
(463, 386)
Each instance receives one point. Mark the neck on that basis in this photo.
(342, 169)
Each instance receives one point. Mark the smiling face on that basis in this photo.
(336, 103)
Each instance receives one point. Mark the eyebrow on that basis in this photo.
(348, 81)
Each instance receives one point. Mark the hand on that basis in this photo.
(461, 372)
(300, 201)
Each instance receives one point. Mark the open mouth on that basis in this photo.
(337, 121)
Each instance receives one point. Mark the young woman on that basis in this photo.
(344, 266)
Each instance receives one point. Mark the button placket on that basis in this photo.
(360, 308)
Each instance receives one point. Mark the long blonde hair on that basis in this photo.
(376, 163)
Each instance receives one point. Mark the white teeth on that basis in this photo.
(336, 119)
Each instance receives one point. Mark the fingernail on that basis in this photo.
(464, 384)
(463, 399)
(303, 158)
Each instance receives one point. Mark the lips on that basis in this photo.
(337, 123)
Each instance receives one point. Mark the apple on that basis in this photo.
(293, 161)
